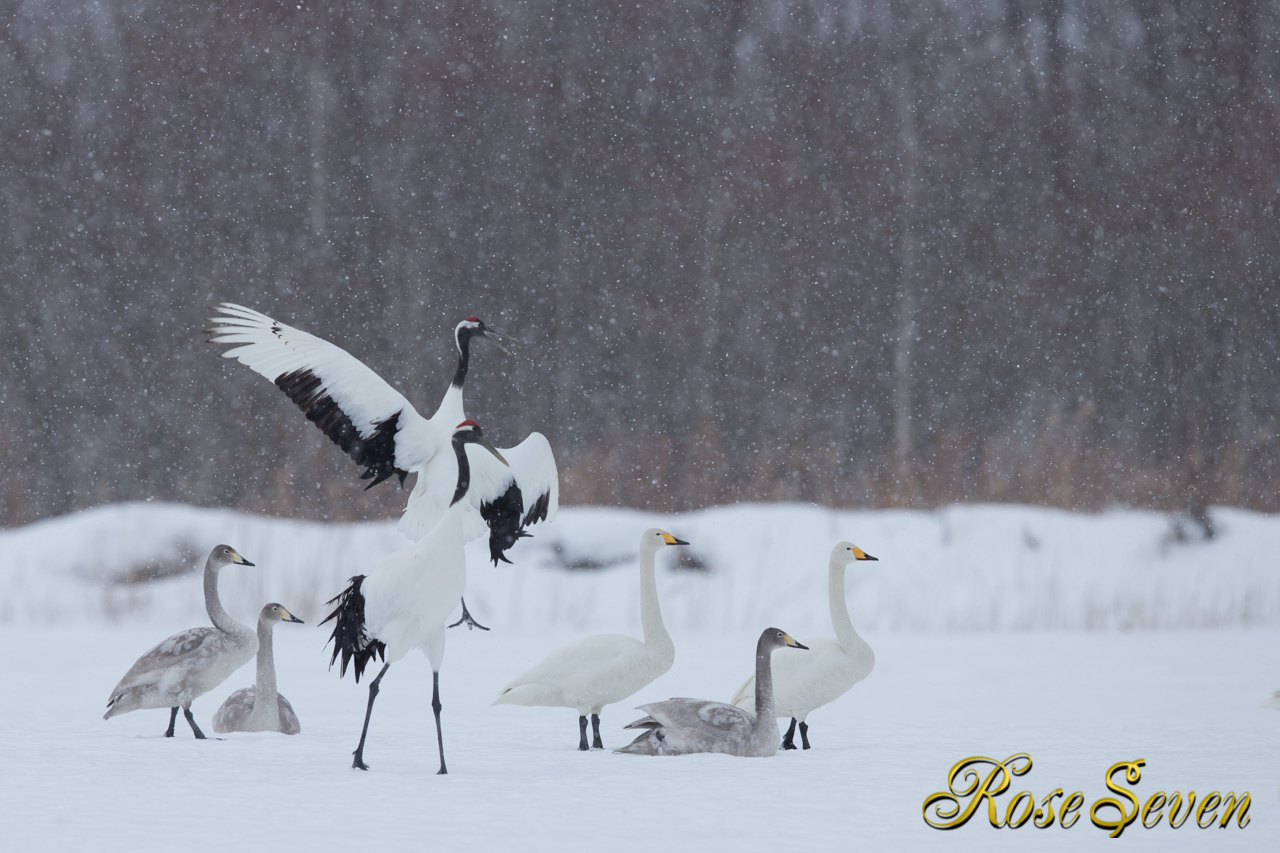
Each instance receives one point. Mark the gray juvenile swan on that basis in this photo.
(192, 663)
(682, 726)
(242, 712)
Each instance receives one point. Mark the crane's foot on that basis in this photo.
(467, 618)
(358, 762)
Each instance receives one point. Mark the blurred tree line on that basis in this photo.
(858, 253)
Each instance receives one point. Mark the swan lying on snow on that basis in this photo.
(682, 726)
(261, 708)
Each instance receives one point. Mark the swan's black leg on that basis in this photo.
(173, 718)
(186, 712)
(595, 732)
(582, 733)
(359, 764)
(788, 739)
(435, 706)
(804, 734)
(466, 617)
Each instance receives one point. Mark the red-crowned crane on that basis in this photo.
(378, 428)
(405, 601)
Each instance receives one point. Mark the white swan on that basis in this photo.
(682, 726)
(261, 708)
(803, 682)
(192, 663)
(605, 668)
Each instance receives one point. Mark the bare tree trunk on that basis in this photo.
(317, 111)
(908, 285)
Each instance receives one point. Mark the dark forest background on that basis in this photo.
(858, 253)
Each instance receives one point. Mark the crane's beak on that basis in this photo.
(792, 644)
(488, 445)
(289, 617)
(498, 337)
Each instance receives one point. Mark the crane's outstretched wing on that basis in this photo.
(509, 497)
(534, 468)
(371, 421)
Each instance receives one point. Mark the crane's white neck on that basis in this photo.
(265, 702)
(450, 411)
(840, 621)
(462, 337)
(656, 637)
(464, 471)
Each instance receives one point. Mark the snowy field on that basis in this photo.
(978, 617)
(963, 568)
(1078, 702)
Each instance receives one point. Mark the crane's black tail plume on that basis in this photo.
(349, 638)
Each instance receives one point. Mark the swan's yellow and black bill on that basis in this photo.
(488, 445)
(671, 540)
(792, 644)
(236, 558)
(859, 554)
(289, 617)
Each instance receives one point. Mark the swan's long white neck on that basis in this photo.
(264, 693)
(840, 621)
(213, 605)
(656, 637)
(764, 688)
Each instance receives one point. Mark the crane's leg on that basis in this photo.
(173, 718)
(595, 732)
(582, 733)
(359, 764)
(804, 734)
(466, 617)
(787, 739)
(435, 706)
(186, 712)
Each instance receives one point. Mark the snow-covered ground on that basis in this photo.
(947, 610)
(1078, 702)
(964, 568)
